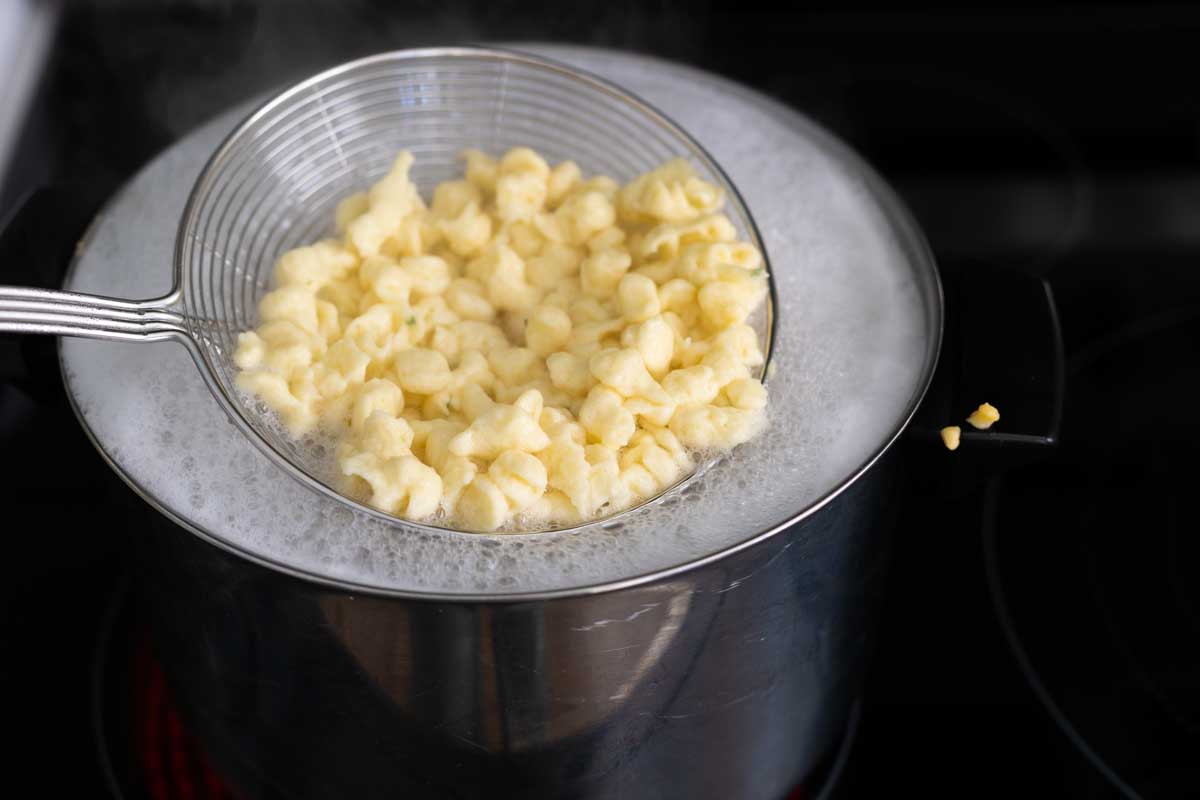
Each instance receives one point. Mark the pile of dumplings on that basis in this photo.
(531, 349)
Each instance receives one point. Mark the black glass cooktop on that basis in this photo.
(1041, 633)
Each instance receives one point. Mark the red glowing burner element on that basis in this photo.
(172, 762)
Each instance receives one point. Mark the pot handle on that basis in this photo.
(1002, 344)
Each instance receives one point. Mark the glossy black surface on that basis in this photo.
(1058, 139)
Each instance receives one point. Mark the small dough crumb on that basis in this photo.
(950, 435)
(983, 417)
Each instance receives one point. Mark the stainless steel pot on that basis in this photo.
(646, 661)
(733, 679)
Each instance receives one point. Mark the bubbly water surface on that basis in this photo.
(853, 335)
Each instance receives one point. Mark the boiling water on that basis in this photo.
(855, 321)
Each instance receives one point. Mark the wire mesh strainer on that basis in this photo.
(275, 181)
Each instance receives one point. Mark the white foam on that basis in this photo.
(851, 342)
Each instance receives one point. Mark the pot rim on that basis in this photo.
(911, 237)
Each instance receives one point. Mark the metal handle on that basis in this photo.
(24, 310)
(1003, 345)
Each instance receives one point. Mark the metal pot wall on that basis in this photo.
(733, 679)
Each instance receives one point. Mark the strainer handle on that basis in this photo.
(25, 310)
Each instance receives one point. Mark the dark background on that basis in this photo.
(1059, 140)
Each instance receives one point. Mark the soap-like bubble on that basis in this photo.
(852, 341)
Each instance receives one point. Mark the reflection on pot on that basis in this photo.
(729, 680)
(521, 686)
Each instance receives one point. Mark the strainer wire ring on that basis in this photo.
(187, 243)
